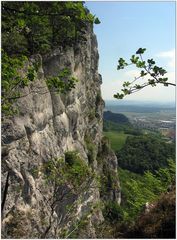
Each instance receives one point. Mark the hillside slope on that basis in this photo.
(158, 220)
(115, 117)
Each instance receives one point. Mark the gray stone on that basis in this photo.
(48, 125)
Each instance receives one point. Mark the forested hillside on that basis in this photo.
(147, 173)
(143, 153)
(115, 117)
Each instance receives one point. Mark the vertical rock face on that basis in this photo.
(49, 125)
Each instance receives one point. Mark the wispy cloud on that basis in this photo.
(169, 56)
(132, 73)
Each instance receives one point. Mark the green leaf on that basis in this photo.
(151, 61)
(143, 73)
(152, 82)
(137, 86)
(140, 64)
(118, 96)
(126, 84)
(31, 74)
(21, 23)
(140, 50)
(134, 59)
(121, 64)
(97, 21)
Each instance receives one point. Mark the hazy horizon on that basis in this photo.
(140, 103)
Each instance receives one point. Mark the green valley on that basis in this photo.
(117, 139)
(146, 171)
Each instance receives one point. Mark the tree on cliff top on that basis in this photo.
(30, 28)
(38, 27)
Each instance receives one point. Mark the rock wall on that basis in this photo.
(47, 126)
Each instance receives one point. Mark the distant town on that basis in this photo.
(166, 127)
(155, 117)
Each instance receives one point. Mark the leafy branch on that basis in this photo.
(12, 80)
(34, 27)
(147, 68)
(84, 14)
(62, 83)
(19, 73)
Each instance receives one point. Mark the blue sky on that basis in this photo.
(126, 26)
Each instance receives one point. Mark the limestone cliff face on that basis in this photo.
(49, 125)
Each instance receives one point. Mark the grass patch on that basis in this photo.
(117, 139)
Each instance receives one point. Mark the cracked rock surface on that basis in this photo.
(47, 126)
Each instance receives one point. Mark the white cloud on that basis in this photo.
(169, 56)
(132, 73)
(171, 77)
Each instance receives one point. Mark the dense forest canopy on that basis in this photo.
(115, 117)
(38, 27)
(142, 153)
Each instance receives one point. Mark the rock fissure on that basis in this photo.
(5, 192)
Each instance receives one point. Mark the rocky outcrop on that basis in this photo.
(46, 127)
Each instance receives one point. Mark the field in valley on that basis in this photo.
(117, 139)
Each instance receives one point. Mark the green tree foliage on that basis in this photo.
(142, 153)
(72, 172)
(127, 128)
(111, 126)
(12, 80)
(158, 223)
(115, 117)
(69, 177)
(132, 216)
(38, 27)
(62, 83)
(155, 75)
(113, 212)
(19, 72)
(140, 189)
(118, 122)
